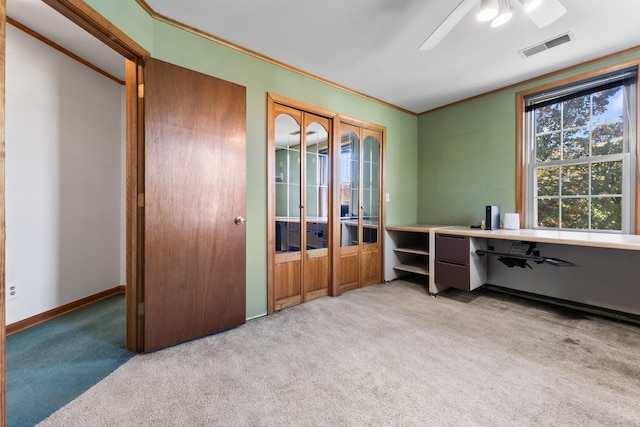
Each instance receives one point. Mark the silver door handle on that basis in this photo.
(240, 220)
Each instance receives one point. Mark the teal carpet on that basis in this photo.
(51, 364)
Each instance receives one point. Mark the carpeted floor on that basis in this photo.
(384, 355)
(51, 364)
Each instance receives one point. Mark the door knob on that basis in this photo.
(240, 220)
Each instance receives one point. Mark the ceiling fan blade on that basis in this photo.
(549, 11)
(447, 25)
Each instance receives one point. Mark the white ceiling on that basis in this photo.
(371, 46)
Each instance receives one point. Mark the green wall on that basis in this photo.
(182, 48)
(467, 154)
(466, 157)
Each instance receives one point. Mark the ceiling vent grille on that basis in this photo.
(546, 45)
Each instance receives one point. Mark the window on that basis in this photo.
(579, 153)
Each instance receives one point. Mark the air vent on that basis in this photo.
(541, 47)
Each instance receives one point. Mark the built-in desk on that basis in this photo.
(573, 238)
(410, 246)
(606, 271)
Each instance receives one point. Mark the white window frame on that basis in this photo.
(629, 154)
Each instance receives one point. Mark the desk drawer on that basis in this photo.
(452, 248)
(451, 274)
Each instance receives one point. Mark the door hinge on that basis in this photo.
(141, 200)
(141, 309)
(141, 91)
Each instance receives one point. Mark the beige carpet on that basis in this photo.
(384, 355)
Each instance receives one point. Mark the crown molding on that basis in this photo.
(542, 77)
(170, 21)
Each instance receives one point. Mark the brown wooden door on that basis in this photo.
(316, 201)
(371, 250)
(195, 187)
(286, 207)
(360, 252)
(350, 232)
(300, 203)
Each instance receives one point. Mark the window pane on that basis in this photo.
(608, 105)
(548, 147)
(607, 139)
(287, 185)
(371, 190)
(575, 144)
(575, 213)
(548, 181)
(575, 180)
(548, 213)
(316, 201)
(606, 178)
(350, 184)
(606, 213)
(576, 112)
(576, 153)
(548, 118)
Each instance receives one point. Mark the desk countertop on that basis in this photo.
(416, 228)
(576, 238)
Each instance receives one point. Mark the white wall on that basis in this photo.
(64, 186)
(606, 278)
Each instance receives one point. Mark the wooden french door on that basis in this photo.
(300, 206)
(359, 254)
(194, 205)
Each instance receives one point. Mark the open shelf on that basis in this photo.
(412, 250)
(410, 245)
(413, 268)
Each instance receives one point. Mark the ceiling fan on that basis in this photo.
(541, 12)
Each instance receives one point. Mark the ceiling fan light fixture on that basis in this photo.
(505, 14)
(548, 12)
(529, 5)
(488, 10)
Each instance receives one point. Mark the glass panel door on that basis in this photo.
(317, 186)
(287, 168)
(349, 189)
(370, 188)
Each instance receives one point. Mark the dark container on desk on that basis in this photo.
(492, 219)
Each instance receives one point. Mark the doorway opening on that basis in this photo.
(82, 15)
